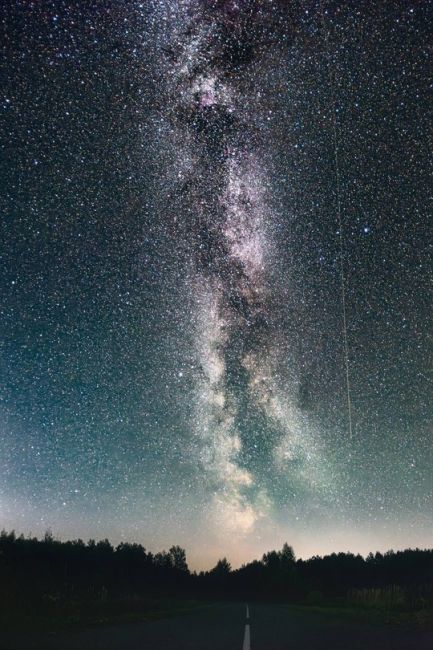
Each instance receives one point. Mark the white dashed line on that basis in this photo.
(246, 644)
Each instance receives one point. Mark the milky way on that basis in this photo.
(230, 225)
(173, 346)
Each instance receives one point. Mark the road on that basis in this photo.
(233, 626)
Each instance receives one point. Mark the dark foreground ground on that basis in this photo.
(222, 627)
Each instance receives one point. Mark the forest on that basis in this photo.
(74, 581)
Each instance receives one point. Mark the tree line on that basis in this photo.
(48, 570)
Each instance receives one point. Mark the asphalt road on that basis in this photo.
(226, 627)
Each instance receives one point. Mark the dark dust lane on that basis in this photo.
(226, 627)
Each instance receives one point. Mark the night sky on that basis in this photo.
(189, 190)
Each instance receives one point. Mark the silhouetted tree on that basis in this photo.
(178, 558)
(222, 568)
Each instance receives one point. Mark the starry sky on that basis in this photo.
(196, 194)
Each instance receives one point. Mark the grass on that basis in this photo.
(349, 613)
(88, 613)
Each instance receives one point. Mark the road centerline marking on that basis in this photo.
(247, 635)
(246, 644)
